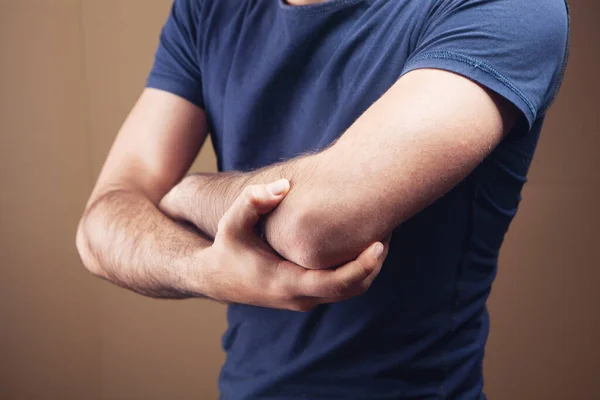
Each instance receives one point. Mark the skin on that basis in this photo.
(144, 231)
(123, 236)
(425, 135)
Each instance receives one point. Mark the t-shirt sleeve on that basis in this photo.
(515, 48)
(176, 66)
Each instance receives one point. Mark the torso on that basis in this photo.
(280, 81)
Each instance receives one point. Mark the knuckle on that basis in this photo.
(277, 291)
(251, 195)
(366, 269)
(248, 190)
(286, 285)
(340, 288)
(364, 286)
(287, 297)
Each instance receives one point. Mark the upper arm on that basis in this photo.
(155, 146)
(477, 69)
(426, 134)
(166, 128)
(514, 48)
(422, 137)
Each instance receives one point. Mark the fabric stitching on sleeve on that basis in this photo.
(176, 78)
(475, 63)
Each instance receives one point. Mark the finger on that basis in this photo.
(254, 201)
(347, 280)
(380, 260)
(303, 302)
(356, 290)
(369, 280)
(310, 302)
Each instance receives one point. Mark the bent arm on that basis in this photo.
(425, 135)
(122, 236)
(419, 140)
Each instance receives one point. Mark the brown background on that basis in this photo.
(69, 72)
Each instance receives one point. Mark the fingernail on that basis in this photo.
(279, 187)
(378, 250)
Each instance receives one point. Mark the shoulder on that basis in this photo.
(514, 47)
(189, 6)
(541, 19)
(187, 12)
(517, 16)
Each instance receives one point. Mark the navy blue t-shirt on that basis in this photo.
(276, 81)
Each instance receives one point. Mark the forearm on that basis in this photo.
(307, 214)
(202, 198)
(125, 239)
(420, 139)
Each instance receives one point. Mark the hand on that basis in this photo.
(241, 268)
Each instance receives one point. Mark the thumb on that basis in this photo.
(254, 201)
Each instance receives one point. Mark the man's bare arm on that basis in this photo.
(425, 135)
(124, 238)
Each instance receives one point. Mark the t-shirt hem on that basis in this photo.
(190, 91)
(479, 72)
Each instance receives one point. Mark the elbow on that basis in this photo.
(316, 242)
(304, 251)
(83, 245)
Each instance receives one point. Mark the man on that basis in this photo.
(337, 125)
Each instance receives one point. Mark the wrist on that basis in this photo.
(204, 262)
(195, 276)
